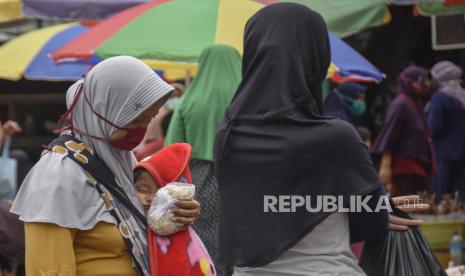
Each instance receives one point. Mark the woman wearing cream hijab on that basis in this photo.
(69, 227)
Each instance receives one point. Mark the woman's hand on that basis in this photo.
(407, 204)
(186, 212)
(7, 129)
(11, 128)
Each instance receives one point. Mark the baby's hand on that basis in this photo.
(186, 212)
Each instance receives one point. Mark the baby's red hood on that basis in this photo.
(169, 164)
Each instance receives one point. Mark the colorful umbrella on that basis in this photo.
(28, 55)
(347, 17)
(350, 65)
(167, 35)
(170, 35)
(342, 16)
(76, 9)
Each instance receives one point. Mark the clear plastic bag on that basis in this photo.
(160, 216)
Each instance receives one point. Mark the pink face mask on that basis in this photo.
(132, 139)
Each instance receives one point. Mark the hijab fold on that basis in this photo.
(56, 190)
(274, 140)
(448, 75)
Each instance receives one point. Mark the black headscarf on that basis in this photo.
(274, 140)
(286, 48)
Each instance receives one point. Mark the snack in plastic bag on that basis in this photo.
(160, 217)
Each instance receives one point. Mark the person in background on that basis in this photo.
(346, 102)
(11, 228)
(155, 136)
(195, 122)
(11, 243)
(175, 97)
(446, 119)
(405, 141)
(10, 128)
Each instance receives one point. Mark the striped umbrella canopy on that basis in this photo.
(347, 17)
(28, 55)
(342, 16)
(76, 9)
(170, 35)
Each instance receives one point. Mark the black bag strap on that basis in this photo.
(98, 170)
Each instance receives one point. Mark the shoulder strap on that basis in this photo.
(92, 164)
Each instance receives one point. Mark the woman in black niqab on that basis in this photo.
(274, 141)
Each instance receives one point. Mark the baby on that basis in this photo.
(181, 253)
(186, 212)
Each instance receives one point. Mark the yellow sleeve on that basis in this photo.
(49, 250)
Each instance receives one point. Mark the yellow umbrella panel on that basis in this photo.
(10, 10)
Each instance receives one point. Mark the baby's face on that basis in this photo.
(146, 189)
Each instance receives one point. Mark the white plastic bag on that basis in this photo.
(160, 217)
(455, 271)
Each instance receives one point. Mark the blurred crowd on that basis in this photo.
(421, 147)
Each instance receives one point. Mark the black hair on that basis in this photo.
(137, 173)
